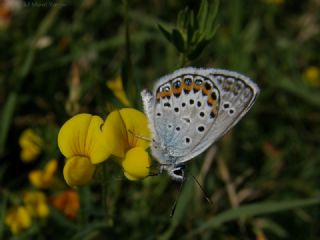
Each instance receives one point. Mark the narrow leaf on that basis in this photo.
(202, 14)
(178, 40)
(253, 210)
(197, 50)
(210, 24)
(165, 33)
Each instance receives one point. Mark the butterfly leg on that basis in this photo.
(139, 136)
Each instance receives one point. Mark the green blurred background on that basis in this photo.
(57, 58)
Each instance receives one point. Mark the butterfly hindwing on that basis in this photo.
(237, 95)
(191, 108)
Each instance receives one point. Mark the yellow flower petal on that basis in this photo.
(137, 127)
(125, 129)
(136, 164)
(24, 217)
(312, 76)
(18, 219)
(36, 203)
(36, 179)
(115, 134)
(44, 178)
(82, 135)
(51, 167)
(42, 210)
(78, 171)
(30, 144)
(116, 87)
(30, 153)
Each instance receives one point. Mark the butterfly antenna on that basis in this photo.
(139, 136)
(202, 189)
(176, 200)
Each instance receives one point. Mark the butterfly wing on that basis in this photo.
(237, 95)
(191, 108)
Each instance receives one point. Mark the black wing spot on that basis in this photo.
(201, 128)
(176, 109)
(188, 81)
(214, 96)
(167, 104)
(212, 115)
(202, 114)
(178, 129)
(226, 105)
(158, 114)
(199, 104)
(183, 104)
(207, 86)
(187, 140)
(231, 111)
(198, 82)
(187, 120)
(177, 84)
(169, 126)
(191, 101)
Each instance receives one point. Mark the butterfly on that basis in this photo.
(190, 109)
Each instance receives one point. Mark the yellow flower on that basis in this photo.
(80, 141)
(30, 144)
(44, 178)
(36, 204)
(68, 202)
(136, 164)
(18, 219)
(312, 76)
(126, 132)
(116, 87)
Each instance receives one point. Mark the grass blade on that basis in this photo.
(253, 210)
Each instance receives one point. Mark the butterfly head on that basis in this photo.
(176, 172)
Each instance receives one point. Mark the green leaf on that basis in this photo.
(182, 208)
(198, 50)
(88, 230)
(182, 17)
(202, 14)
(213, 32)
(6, 118)
(165, 33)
(61, 220)
(3, 205)
(210, 24)
(178, 40)
(253, 210)
(301, 91)
(275, 228)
